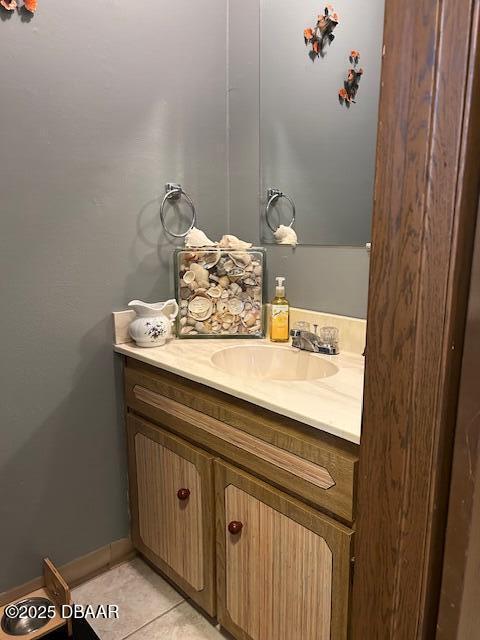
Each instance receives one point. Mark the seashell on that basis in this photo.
(236, 288)
(256, 293)
(9, 5)
(201, 327)
(232, 242)
(30, 5)
(249, 268)
(220, 268)
(225, 294)
(201, 274)
(200, 307)
(228, 317)
(210, 258)
(224, 281)
(257, 270)
(184, 293)
(286, 235)
(214, 278)
(240, 258)
(197, 238)
(183, 304)
(249, 320)
(236, 273)
(191, 321)
(250, 281)
(183, 312)
(235, 306)
(185, 330)
(215, 292)
(228, 265)
(183, 321)
(221, 307)
(193, 286)
(189, 276)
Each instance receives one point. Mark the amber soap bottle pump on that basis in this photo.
(280, 314)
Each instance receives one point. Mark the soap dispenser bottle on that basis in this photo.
(280, 314)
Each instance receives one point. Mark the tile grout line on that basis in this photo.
(129, 635)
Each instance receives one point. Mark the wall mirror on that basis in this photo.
(316, 147)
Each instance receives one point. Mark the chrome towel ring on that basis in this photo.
(273, 195)
(174, 192)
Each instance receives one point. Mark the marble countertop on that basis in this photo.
(332, 404)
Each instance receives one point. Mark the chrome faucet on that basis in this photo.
(309, 341)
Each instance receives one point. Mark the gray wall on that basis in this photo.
(99, 109)
(100, 105)
(333, 279)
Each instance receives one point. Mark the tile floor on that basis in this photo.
(149, 608)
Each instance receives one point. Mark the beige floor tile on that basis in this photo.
(140, 593)
(182, 623)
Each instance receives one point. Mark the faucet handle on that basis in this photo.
(315, 329)
(302, 325)
(329, 335)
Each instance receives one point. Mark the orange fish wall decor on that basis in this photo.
(322, 32)
(30, 5)
(347, 93)
(11, 5)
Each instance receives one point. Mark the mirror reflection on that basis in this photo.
(319, 91)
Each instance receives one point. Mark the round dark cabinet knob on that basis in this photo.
(235, 527)
(183, 494)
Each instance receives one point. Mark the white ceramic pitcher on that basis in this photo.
(153, 325)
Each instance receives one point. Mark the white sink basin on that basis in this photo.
(272, 363)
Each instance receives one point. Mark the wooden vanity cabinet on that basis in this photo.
(171, 504)
(249, 513)
(283, 569)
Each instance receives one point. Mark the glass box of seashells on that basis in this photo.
(220, 292)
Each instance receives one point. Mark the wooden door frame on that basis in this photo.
(459, 614)
(426, 196)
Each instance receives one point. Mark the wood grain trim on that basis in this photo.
(279, 573)
(312, 473)
(459, 612)
(337, 537)
(339, 457)
(425, 206)
(313, 444)
(205, 598)
(171, 529)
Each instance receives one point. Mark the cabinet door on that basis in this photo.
(283, 569)
(172, 508)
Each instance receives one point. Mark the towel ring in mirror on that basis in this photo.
(174, 192)
(273, 195)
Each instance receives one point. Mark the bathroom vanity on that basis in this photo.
(249, 511)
